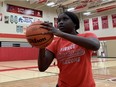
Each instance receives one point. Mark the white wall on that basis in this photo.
(111, 48)
(48, 15)
(101, 32)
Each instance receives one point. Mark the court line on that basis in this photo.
(2, 70)
(94, 61)
(31, 67)
(11, 69)
(102, 76)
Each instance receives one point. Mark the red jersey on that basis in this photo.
(74, 62)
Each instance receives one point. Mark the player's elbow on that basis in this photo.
(96, 47)
(41, 69)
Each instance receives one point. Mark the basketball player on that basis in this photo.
(72, 50)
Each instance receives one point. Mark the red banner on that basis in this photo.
(114, 20)
(106, 8)
(86, 25)
(24, 11)
(95, 23)
(104, 22)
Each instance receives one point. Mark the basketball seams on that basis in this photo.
(36, 34)
(41, 29)
(34, 25)
(38, 37)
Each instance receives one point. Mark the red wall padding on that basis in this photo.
(18, 53)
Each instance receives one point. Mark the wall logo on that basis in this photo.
(13, 19)
(19, 29)
(6, 19)
(21, 19)
(0, 16)
(24, 19)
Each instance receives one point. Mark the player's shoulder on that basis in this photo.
(55, 39)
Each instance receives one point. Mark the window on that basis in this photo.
(16, 45)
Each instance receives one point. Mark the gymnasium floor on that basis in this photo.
(25, 73)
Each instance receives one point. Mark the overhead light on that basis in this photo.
(87, 13)
(50, 4)
(53, 5)
(70, 9)
(107, 0)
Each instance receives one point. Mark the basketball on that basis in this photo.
(38, 37)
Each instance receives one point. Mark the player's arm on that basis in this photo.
(88, 43)
(91, 43)
(45, 59)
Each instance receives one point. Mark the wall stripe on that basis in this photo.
(108, 38)
(3, 35)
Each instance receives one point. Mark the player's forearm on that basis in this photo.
(41, 59)
(88, 43)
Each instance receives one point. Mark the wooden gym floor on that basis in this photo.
(25, 73)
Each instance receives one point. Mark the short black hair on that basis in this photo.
(74, 18)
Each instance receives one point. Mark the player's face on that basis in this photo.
(65, 23)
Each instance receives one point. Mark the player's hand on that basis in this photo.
(49, 26)
(36, 23)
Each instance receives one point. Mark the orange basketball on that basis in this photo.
(35, 36)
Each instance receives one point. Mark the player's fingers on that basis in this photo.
(49, 32)
(46, 24)
(36, 23)
(45, 27)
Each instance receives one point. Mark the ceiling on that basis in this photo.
(78, 5)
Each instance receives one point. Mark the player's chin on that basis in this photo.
(62, 29)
